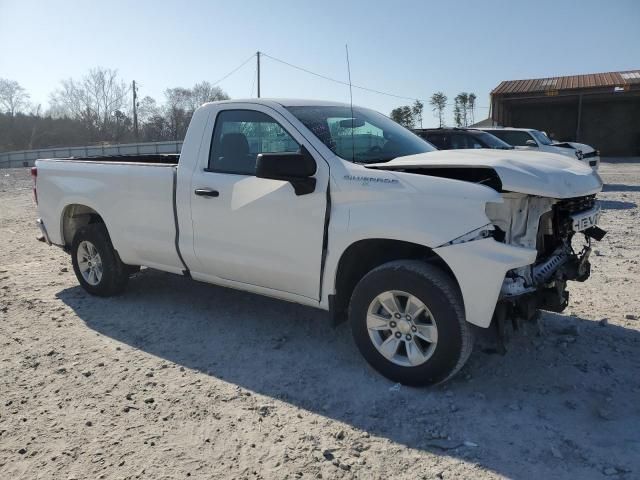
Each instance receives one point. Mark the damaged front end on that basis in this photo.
(561, 231)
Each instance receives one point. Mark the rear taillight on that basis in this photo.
(34, 175)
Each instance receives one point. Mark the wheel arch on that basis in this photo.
(362, 256)
(74, 216)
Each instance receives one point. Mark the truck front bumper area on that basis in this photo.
(480, 267)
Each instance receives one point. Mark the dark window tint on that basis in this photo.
(489, 141)
(512, 137)
(240, 135)
(463, 140)
(438, 139)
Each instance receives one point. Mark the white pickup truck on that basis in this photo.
(342, 209)
(529, 138)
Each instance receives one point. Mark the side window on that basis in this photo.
(512, 137)
(473, 142)
(240, 135)
(439, 140)
(459, 141)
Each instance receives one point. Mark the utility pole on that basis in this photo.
(258, 70)
(135, 110)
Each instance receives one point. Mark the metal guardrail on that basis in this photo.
(26, 158)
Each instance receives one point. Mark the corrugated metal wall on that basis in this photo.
(612, 125)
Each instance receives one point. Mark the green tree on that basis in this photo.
(457, 113)
(471, 106)
(416, 111)
(404, 116)
(438, 103)
(463, 103)
(464, 107)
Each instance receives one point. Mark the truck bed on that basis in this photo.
(134, 194)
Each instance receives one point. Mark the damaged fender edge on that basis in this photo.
(480, 267)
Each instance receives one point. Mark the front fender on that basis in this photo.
(418, 209)
(479, 268)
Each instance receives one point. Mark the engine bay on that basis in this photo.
(561, 230)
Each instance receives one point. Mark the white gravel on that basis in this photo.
(178, 379)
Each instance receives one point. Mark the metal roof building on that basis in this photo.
(600, 109)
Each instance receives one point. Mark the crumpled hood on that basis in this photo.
(535, 173)
(576, 146)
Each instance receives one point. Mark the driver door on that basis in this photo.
(256, 231)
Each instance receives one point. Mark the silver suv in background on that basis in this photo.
(530, 139)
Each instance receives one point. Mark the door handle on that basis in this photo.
(205, 192)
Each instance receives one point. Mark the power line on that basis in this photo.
(360, 87)
(336, 80)
(325, 77)
(234, 70)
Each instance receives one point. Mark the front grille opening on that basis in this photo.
(563, 210)
(575, 205)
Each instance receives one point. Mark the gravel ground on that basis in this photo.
(179, 379)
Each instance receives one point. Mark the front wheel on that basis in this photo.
(96, 263)
(408, 321)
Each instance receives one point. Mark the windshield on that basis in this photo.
(541, 137)
(492, 142)
(364, 136)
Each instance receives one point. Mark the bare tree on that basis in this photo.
(182, 102)
(147, 109)
(94, 99)
(178, 110)
(13, 97)
(96, 108)
(204, 92)
(438, 103)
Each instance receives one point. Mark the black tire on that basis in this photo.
(439, 293)
(114, 272)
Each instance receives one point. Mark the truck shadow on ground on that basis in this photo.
(557, 390)
(616, 205)
(620, 187)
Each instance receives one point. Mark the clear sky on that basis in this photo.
(410, 48)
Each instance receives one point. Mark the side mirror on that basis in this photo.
(531, 143)
(295, 168)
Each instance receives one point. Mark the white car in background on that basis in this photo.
(530, 139)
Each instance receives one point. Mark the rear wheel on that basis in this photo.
(408, 321)
(96, 264)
